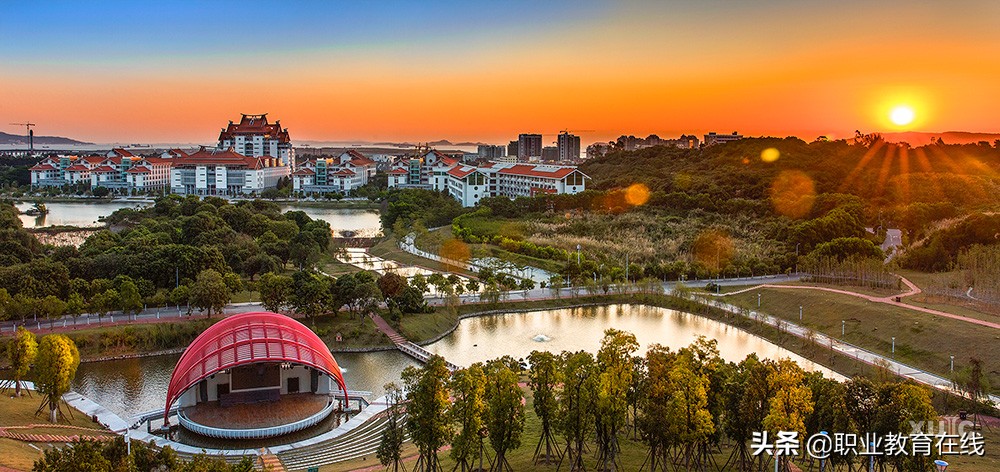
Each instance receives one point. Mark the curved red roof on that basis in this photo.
(250, 338)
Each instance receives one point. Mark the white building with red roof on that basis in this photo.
(341, 174)
(254, 136)
(225, 172)
(470, 184)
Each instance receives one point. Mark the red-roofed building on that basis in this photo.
(225, 172)
(343, 174)
(254, 136)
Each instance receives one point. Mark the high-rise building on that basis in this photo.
(253, 136)
(528, 146)
(491, 152)
(569, 147)
(512, 149)
(550, 154)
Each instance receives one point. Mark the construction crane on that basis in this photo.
(31, 134)
(566, 131)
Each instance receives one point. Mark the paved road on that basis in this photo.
(912, 289)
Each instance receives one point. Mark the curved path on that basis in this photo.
(889, 300)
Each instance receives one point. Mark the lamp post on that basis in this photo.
(843, 327)
(577, 254)
(893, 347)
(758, 299)
(800, 312)
(953, 363)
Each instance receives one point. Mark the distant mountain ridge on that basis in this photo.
(920, 138)
(7, 138)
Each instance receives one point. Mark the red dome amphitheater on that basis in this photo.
(253, 358)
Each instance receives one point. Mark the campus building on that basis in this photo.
(215, 172)
(713, 138)
(254, 136)
(342, 174)
(470, 184)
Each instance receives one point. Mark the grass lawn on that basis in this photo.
(21, 411)
(389, 249)
(923, 340)
(245, 296)
(355, 332)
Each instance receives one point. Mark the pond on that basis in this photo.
(345, 222)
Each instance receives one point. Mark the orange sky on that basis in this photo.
(776, 68)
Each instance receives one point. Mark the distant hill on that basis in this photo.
(920, 138)
(7, 138)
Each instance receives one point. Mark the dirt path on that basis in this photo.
(912, 289)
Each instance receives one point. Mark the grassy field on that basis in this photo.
(21, 411)
(923, 340)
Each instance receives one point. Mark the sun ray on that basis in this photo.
(849, 180)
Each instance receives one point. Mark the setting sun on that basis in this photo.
(902, 115)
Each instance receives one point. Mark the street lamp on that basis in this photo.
(577, 254)
(893, 347)
(953, 363)
(843, 327)
(800, 312)
(758, 299)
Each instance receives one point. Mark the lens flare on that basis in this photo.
(793, 193)
(770, 154)
(637, 194)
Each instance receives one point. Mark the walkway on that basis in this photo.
(405, 346)
(851, 350)
(912, 289)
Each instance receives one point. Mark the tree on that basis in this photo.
(746, 397)
(543, 377)
(128, 297)
(656, 407)
(6, 302)
(75, 305)
(576, 404)
(104, 302)
(468, 413)
(209, 292)
(310, 293)
(55, 369)
(427, 396)
(390, 447)
(21, 352)
(688, 406)
(303, 250)
(791, 403)
(505, 412)
(419, 282)
(614, 360)
(275, 290)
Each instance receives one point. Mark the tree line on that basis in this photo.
(689, 409)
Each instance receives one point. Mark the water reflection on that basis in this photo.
(572, 329)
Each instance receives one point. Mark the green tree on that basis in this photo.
(428, 401)
(22, 350)
(656, 407)
(310, 293)
(275, 291)
(505, 412)
(104, 302)
(390, 447)
(543, 378)
(6, 302)
(614, 360)
(209, 292)
(128, 298)
(55, 368)
(75, 305)
(576, 404)
(688, 406)
(468, 413)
